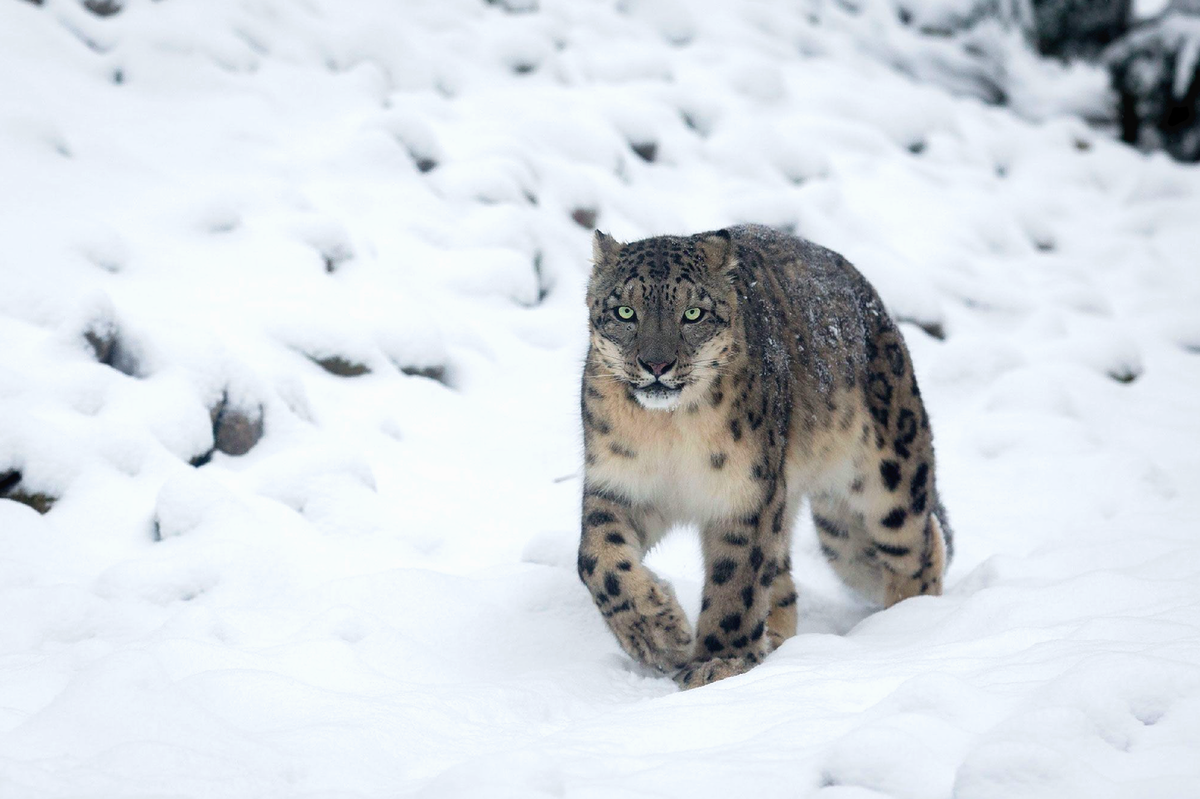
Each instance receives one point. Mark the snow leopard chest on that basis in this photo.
(686, 463)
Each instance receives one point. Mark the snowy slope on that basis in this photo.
(379, 597)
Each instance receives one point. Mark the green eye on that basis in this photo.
(625, 312)
(693, 314)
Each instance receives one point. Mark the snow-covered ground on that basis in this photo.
(379, 598)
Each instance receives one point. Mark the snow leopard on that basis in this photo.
(730, 375)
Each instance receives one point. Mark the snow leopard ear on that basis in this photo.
(717, 247)
(605, 249)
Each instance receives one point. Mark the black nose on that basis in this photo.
(656, 368)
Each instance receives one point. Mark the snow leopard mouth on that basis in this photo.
(658, 396)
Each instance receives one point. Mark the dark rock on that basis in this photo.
(337, 365)
(334, 256)
(436, 372)
(423, 161)
(694, 124)
(103, 342)
(515, 6)
(235, 430)
(585, 217)
(10, 489)
(543, 287)
(1125, 374)
(202, 459)
(42, 503)
(647, 151)
(104, 337)
(103, 8)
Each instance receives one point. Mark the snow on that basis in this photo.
(379, 598)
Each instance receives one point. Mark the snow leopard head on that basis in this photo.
(662, 313)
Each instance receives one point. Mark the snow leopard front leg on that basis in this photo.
(639, 606)
(744, 560)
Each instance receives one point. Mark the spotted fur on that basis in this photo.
(793, 382)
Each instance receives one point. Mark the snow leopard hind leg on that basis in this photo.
(886, 534)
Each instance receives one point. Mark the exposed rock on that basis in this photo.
(202, 459)
(335, 255)
(238, 431)
(515, 6)
(695, 123)
(414, 134)
(104, 337)
(543, 285)
(647, 151)
(1125, 374)
(337, 365)
(103, 8)
(424, 162)
(585, 217)
(235, 429)
(435, 372)
(10, 488)
(103, 341)
(42, 503)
